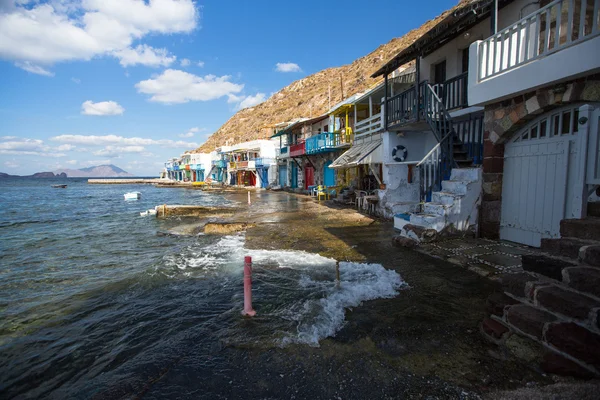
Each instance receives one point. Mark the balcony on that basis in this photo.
(242, 164)
(328, 141)
(297, 150)
(220, 163)
(555, 43)
(369, 125)
(260, 162)
(231, 165)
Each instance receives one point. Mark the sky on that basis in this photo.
(135, 82)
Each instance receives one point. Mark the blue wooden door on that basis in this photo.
(283, 175)
(294, 183)
(328, 175)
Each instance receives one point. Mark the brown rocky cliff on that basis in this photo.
(310, 96)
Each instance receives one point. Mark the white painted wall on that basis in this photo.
(451, 51)
(572, 62)
(417, 144)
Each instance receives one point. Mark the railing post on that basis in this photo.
(417, 84)
(385, 104)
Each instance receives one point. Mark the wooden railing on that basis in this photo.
(429, 173)
(402, 108)
(369, 125)
(438, 163)
(469, 132)
(552, 28)
(297, 149)
(320, 143)
(454, 92)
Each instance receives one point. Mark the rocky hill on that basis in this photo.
(310, 95)
(100, 171)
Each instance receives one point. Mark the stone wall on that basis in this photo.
(502, 120)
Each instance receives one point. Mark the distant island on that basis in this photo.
(100, 171)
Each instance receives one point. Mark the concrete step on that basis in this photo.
(545, 265)
(455, 187)
(428, 221)
(403, 207)
(565, 302)
(565, 246)
(445, 198)
(593, 209)
(584, 279)
(436, 208)
(587, 228)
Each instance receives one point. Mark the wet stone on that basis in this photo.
(528, 319)
(570, 304)
(554, 363)
(516, 284)
(548, 266)
(501, 260)
(576, 341)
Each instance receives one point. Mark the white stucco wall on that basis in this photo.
(452, 51)
(417, 144)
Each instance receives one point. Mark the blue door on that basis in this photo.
(294, 183)
(283, 175)
(328, 175)
(263, 175)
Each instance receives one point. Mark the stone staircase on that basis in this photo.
(454, 208)
(555, 302)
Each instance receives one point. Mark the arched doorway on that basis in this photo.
(328, 175)
(539, 177)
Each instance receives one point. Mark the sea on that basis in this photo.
(94, 296)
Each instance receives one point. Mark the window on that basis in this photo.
(465, 60)
(325, 129)
(439, 72)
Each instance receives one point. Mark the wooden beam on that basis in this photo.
(375, 174)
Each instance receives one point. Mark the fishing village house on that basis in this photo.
(510, 91)
(307, 149)
(250, 163)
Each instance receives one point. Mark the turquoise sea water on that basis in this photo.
(96, 301)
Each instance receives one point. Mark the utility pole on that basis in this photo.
(330, 96)
(342, 87)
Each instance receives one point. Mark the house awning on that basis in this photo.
(364, 153)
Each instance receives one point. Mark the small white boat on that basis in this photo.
(149, 212)
(132, 195)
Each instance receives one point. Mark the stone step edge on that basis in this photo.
(514, 330)
(541, 278)
(590, 323)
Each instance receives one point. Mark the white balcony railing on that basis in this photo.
(556, 26)
(369, 125)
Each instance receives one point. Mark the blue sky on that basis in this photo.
(133, 82)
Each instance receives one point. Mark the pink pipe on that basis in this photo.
(248, 288)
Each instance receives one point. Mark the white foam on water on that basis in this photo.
(318, 310)
(359, 282)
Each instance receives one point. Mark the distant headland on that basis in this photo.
(100, 171)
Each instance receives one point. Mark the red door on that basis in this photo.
(309, 177)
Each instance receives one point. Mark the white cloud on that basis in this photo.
(101, 108)
(65, 147)
(71, 162)
(106, 140)
(144, 55)
(251, 101)
(200, 64)
(11, 164)
(34, 69)
(24, 146)
(287, 67)
(176, 86)
(115, 151)
(76, 80)
(39, 34)
(190, 133)
(185, 62)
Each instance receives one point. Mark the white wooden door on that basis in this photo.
(535, 181)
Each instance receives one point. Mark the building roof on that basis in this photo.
(461, 18)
